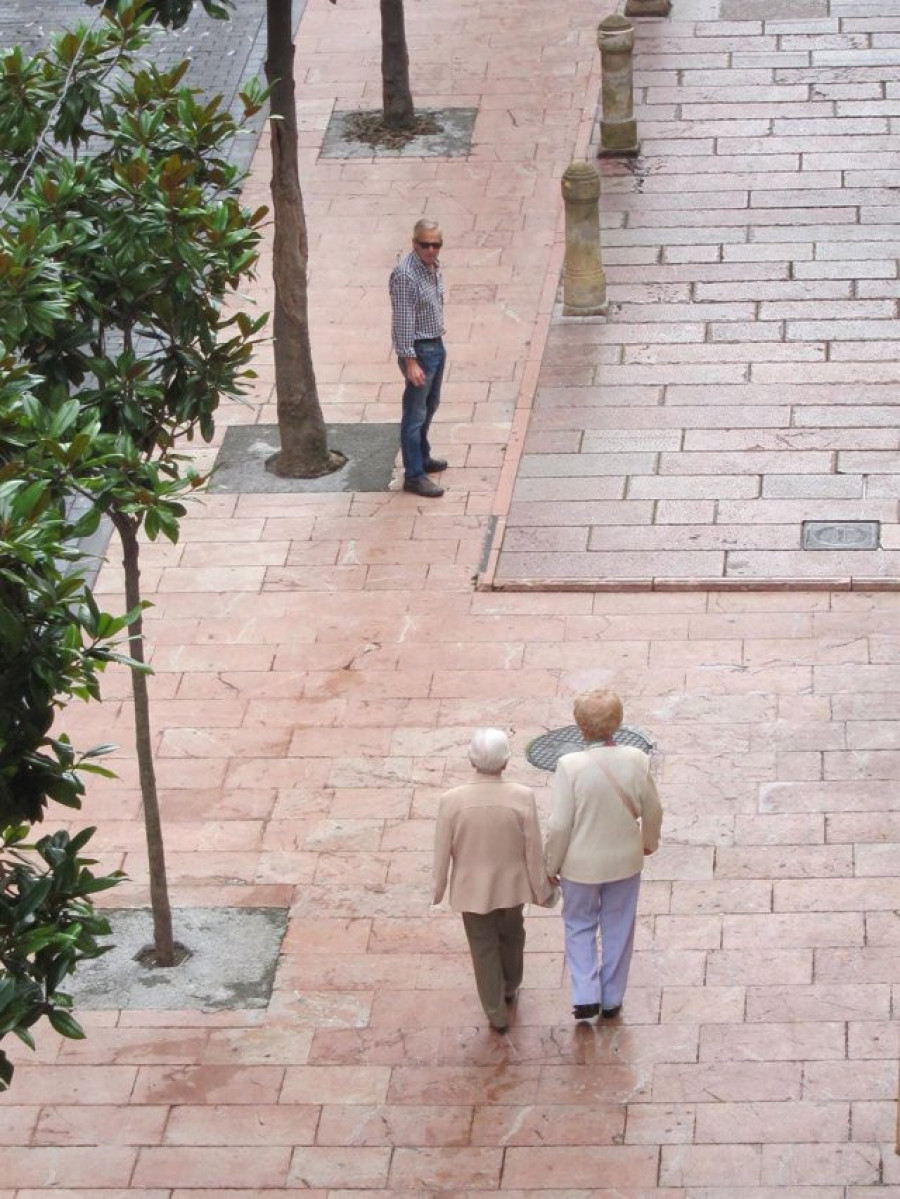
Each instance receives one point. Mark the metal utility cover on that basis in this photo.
(544, 751)
(841, 534)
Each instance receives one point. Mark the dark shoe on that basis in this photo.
(423, 486)
(434, 466)
(586, 1011)
(610, 1013)
(500, 1028)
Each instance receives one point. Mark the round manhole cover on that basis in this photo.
(544, 751)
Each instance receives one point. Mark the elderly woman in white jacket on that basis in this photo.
(606, 817)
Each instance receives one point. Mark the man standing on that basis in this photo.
(417, 303)
(488, 829)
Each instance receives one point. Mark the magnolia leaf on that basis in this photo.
(65, 1024)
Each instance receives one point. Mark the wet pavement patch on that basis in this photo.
(453, 141)
(370, 450)
(232, 956)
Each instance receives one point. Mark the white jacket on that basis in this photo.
(591, 836)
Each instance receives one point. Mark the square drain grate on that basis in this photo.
(841, 534)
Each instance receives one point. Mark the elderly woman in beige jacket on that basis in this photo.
(489, 830)
(605, 818)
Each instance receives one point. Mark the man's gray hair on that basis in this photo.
(489, 750)
(425, 225)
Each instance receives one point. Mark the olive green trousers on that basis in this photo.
(497, 945)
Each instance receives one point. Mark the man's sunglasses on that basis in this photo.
(430, 245)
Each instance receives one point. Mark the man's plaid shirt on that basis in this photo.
(417, 300)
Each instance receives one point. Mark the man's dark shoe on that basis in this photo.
(423, 486)
(610, 1013)
(434, 466)
(585, 1011)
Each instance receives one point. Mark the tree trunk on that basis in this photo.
(163, 940)
(396, 98)
(304, 450)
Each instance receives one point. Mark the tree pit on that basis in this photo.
(372, 129)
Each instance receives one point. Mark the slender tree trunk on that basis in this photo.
(163, 939)
(396, 98)
(304, 450)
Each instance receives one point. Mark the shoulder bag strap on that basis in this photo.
(626, 799)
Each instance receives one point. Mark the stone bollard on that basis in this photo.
(647, 8)
(618, 128)
(584, 283)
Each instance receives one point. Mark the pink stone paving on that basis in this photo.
(321, 659)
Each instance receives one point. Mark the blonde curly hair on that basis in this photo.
(598, 714)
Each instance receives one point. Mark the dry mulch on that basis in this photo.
(370, 127)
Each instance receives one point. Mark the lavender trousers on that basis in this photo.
(611, 910)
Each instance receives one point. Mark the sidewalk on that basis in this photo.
(320, 663)
(745, 380)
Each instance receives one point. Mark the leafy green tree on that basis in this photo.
(47, 926)
(123, 184)
(304, 449)
(53, 642)
(176, 12)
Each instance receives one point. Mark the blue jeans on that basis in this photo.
(419, 407)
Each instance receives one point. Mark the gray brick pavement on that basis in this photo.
(745, 380)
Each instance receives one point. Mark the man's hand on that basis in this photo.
(414, 372)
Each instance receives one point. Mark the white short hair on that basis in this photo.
(489, 750)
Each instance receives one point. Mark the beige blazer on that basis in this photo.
(489, 830)
(591, 835)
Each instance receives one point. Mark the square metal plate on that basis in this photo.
(841, 534)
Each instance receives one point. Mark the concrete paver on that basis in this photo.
(317, 684)
(758, 381)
